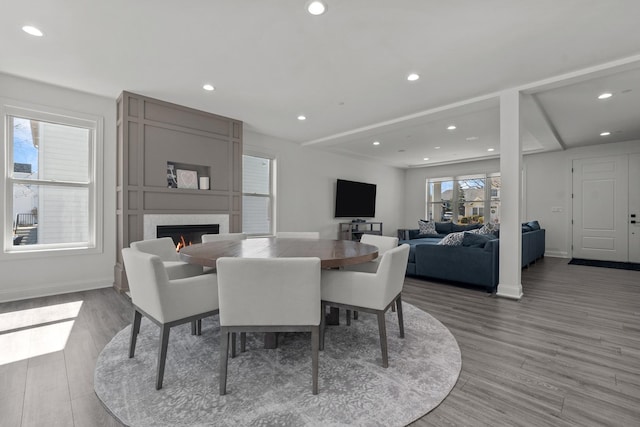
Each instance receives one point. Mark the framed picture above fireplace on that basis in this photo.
(187, 178)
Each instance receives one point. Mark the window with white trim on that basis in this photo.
(464, 199)
(50, 176)
(257, 195)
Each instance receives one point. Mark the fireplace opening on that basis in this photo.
(185, 235)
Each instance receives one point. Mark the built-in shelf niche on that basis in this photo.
(200, 170)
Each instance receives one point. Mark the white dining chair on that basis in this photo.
(165, 302)
(383, 243)
(369, 292)
(206, 238)
(298, 235)
(268, 295)
(166, 250)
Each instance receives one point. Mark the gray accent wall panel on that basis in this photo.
(190, 201)
(152, 133)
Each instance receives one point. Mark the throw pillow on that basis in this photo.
(535, 225)
(452, 239)
(490, 228)
(475, 240)
(426, 227)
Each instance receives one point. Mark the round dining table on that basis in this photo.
(332, 253)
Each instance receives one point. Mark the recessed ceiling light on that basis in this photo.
(316, 7)
(426, 158)
(605, 95)
(605, 134)
(413, 77)
(472, 138)
(437, 148)
(451, 127)
(32, 30)
(491, 149)
(376, 142)
(302, 117)
(208, 87)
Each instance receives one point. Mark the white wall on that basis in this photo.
(306, 179)
(549, 186)
(546, 195)
(52, 273)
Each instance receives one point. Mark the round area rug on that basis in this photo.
(273, 387)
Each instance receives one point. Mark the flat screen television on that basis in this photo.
(355, 199)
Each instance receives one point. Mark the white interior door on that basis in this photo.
(601, 208)
(634, 208)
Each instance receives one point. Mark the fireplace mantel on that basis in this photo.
(151, 221)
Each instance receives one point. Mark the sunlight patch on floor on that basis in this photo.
(36, 331)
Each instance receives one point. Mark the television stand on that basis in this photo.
(355, 230)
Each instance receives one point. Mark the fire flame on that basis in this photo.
(182, 243)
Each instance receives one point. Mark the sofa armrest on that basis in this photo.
(407, 233)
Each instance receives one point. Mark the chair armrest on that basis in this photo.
(189, 296)
(353, 288)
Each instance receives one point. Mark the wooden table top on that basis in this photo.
(332, 253)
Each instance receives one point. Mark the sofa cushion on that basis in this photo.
(444, 227)
(455, 228)
(426, 227)
(419, 241)
(453, 239)
(475, 240)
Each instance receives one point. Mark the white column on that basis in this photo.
(509, 283)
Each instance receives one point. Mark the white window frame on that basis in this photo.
(456, 179)
(272, 189)
(95, 124)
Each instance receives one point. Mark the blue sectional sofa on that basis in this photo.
(475, 264)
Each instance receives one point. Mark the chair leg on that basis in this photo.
(323, 320)
(199, 327)
(400, 318)
(194, 328)
(382, 327)
(355, 314)
(243, 342)
(393, 307)
(162, 355)
(135, 329)
(315, 345)
(348, 317)
(233, 344)
(224, 354)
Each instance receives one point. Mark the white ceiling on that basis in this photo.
(346, 70)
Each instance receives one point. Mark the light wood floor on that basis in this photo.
(567, 354)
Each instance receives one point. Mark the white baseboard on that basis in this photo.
(16, 294)
(557, 254)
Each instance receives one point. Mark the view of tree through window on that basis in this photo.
(465, 200)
